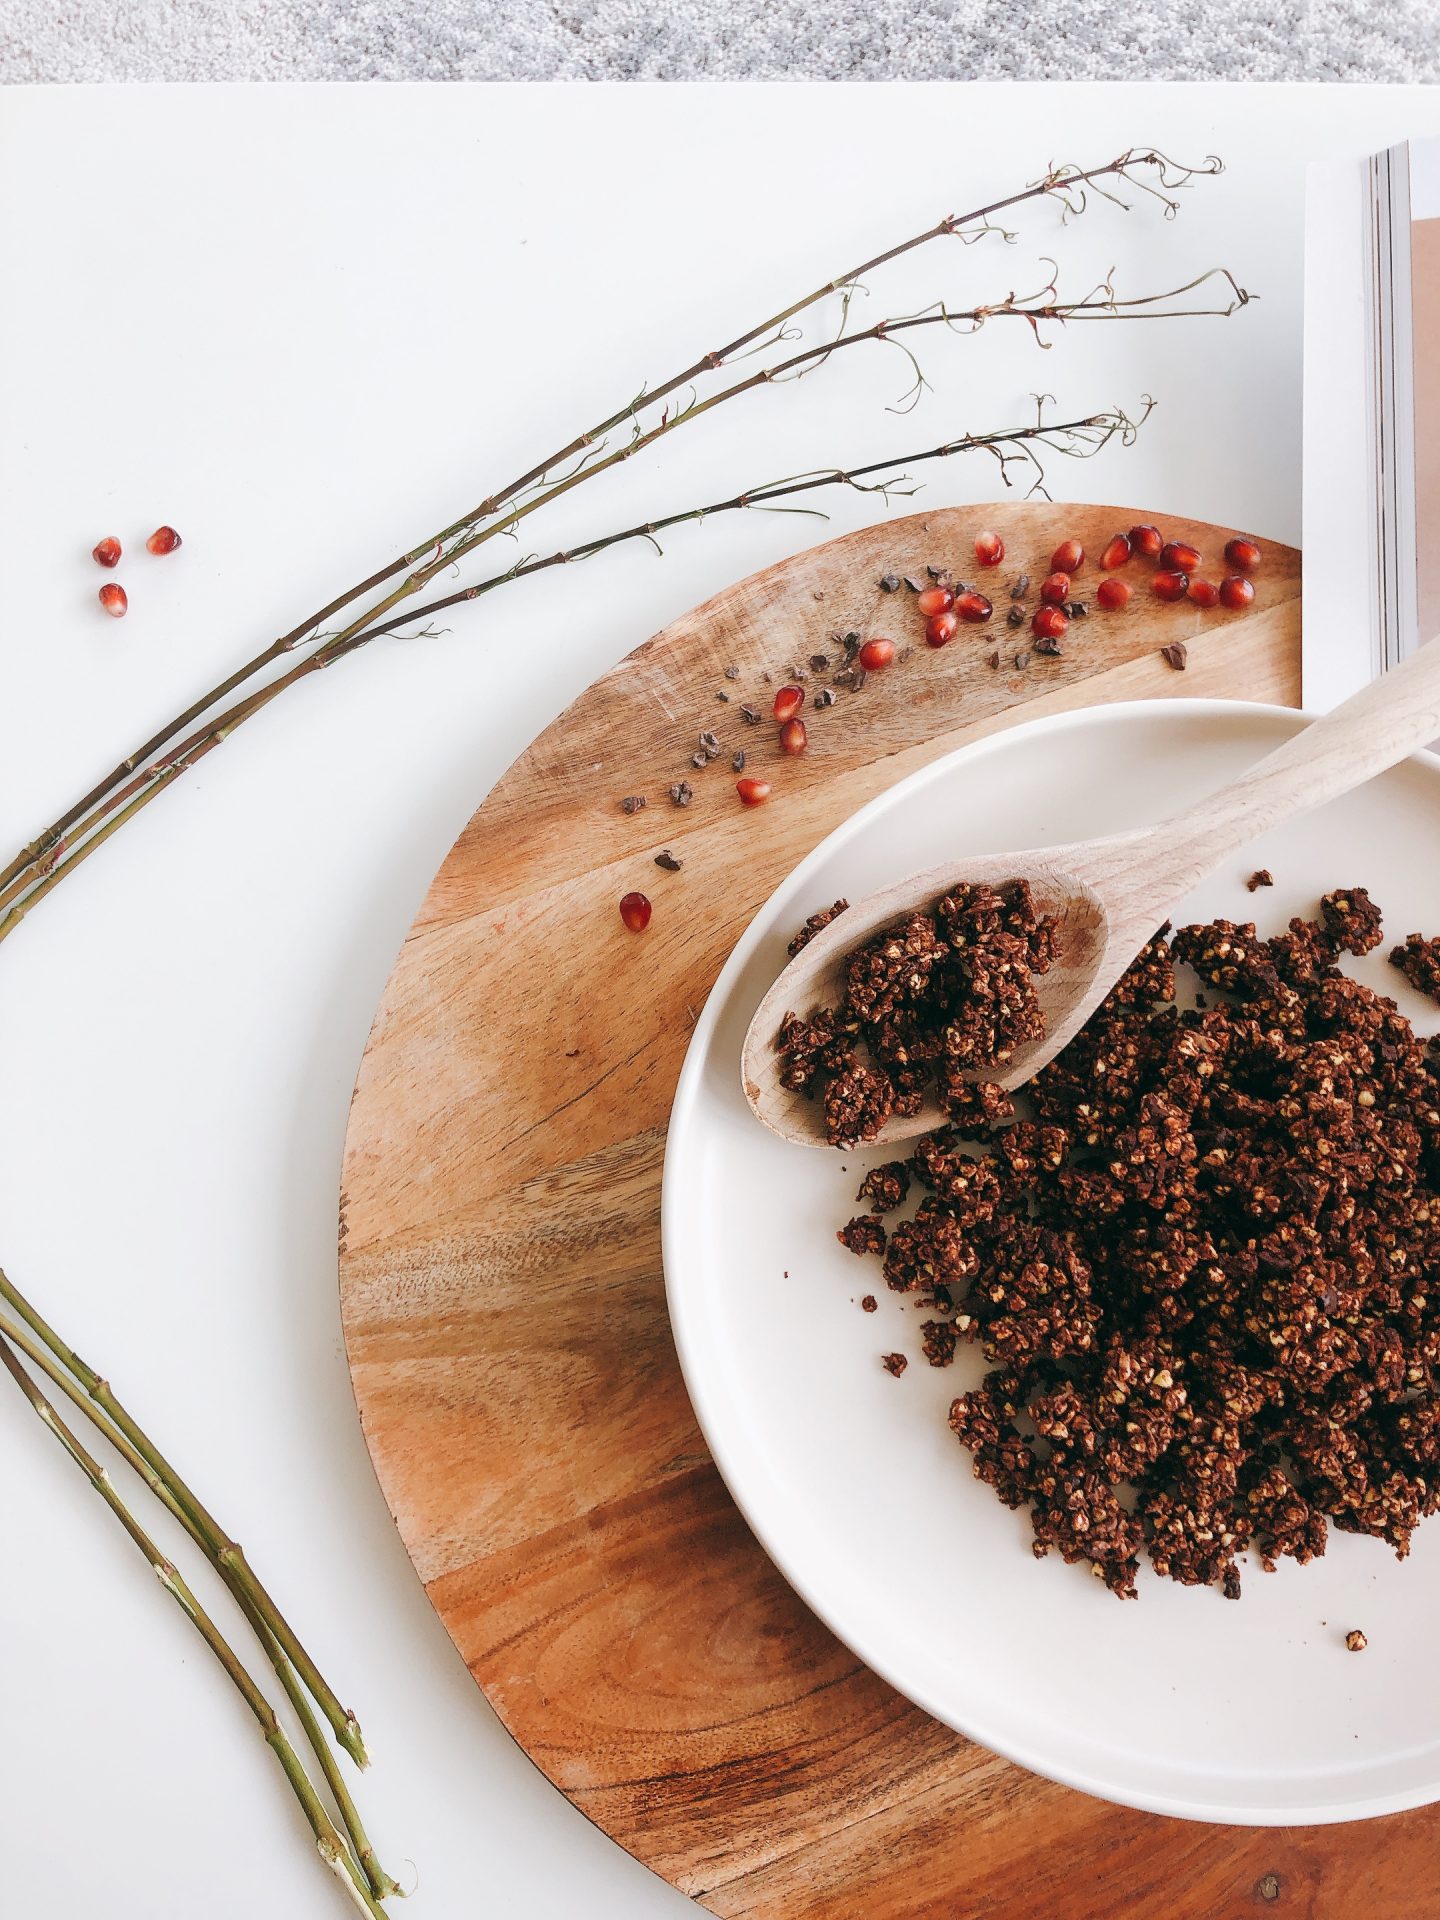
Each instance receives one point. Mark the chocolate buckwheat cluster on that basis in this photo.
(1204, 1266)
(927, 1003)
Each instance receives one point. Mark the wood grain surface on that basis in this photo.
(504, 1306)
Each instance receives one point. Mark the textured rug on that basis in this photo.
(70, 40)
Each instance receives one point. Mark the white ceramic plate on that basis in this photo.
(1180, 1702)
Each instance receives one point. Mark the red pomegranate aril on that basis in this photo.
(1243, 555)
(1068, 557)
(935, 600)
(1116, 553)
(1170, 585)
(788, 702)
(1111, 594)
(163, 540)
(989, 549)
(1204, 593)
(1236, 591)
(1146, 540)
(113, 600)
(635, 911)
(940, 630)
(876, 654)
(1049, 623)
(1179, 557)
(753, 793)
(793, 737)
(974, 608)
(1056, 590)
(107, 552)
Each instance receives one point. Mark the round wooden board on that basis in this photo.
(504, 1305)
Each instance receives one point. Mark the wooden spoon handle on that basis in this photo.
(1370, 731)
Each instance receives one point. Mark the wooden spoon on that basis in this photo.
(1107, 896)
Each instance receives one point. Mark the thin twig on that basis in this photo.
(228, 1557)
(34, 1350)
(1006, 446)
(1066, 183)
(328, 1841)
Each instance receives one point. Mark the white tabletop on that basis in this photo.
(306, 326)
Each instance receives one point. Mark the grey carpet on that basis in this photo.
(70, 40)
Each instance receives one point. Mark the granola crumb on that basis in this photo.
(868, 1304)
(1419, 960)
(864, 1234)
(1356, 1641)
(1262, 877)
(895, 1363)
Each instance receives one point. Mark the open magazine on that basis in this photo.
(1372, 416)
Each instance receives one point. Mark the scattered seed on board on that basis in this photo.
(682, 793)
(1019, 588)
(1015, 617)
(1046, 643)
(1022, 660)
(737, 760)
(1175, 655)
(994, 660)
(722, 695)
(915, 586)
(749, 716)
(732, 673)
(889, 583)
(819, 661)
(632, 803)
(709, 743)
(666, 859)
(824, 698)
(700, 758)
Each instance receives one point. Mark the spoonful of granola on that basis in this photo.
(919, 1002)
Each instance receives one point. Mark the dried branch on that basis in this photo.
(227, 1556)
(328, 1841)
(1074, 439)
(1067, 183)
(382, 1886)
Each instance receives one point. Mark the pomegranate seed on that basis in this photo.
(788, 702)
(1056, 590)
(973, 608)
(1116, 553)
(1204, 593)
(876, 654)
(635, 911)
(112, 599)
(1178, 557)
(1146, 540)
(163, 540)
(753, 793)
(1243, 555)
(1112, 594)
(935, 600)
(108, 551)
(989, 549)
(1170, 585)
(793, 737)
(1068, 557)
(1049, 623)
(940, 630)
(1236, 591)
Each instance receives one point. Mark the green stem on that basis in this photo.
(380, 1882)
(1060, 182)
(330, 1845)
(228, 1557)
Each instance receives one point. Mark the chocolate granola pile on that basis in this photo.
(1205, 1270)
(929, 1002)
